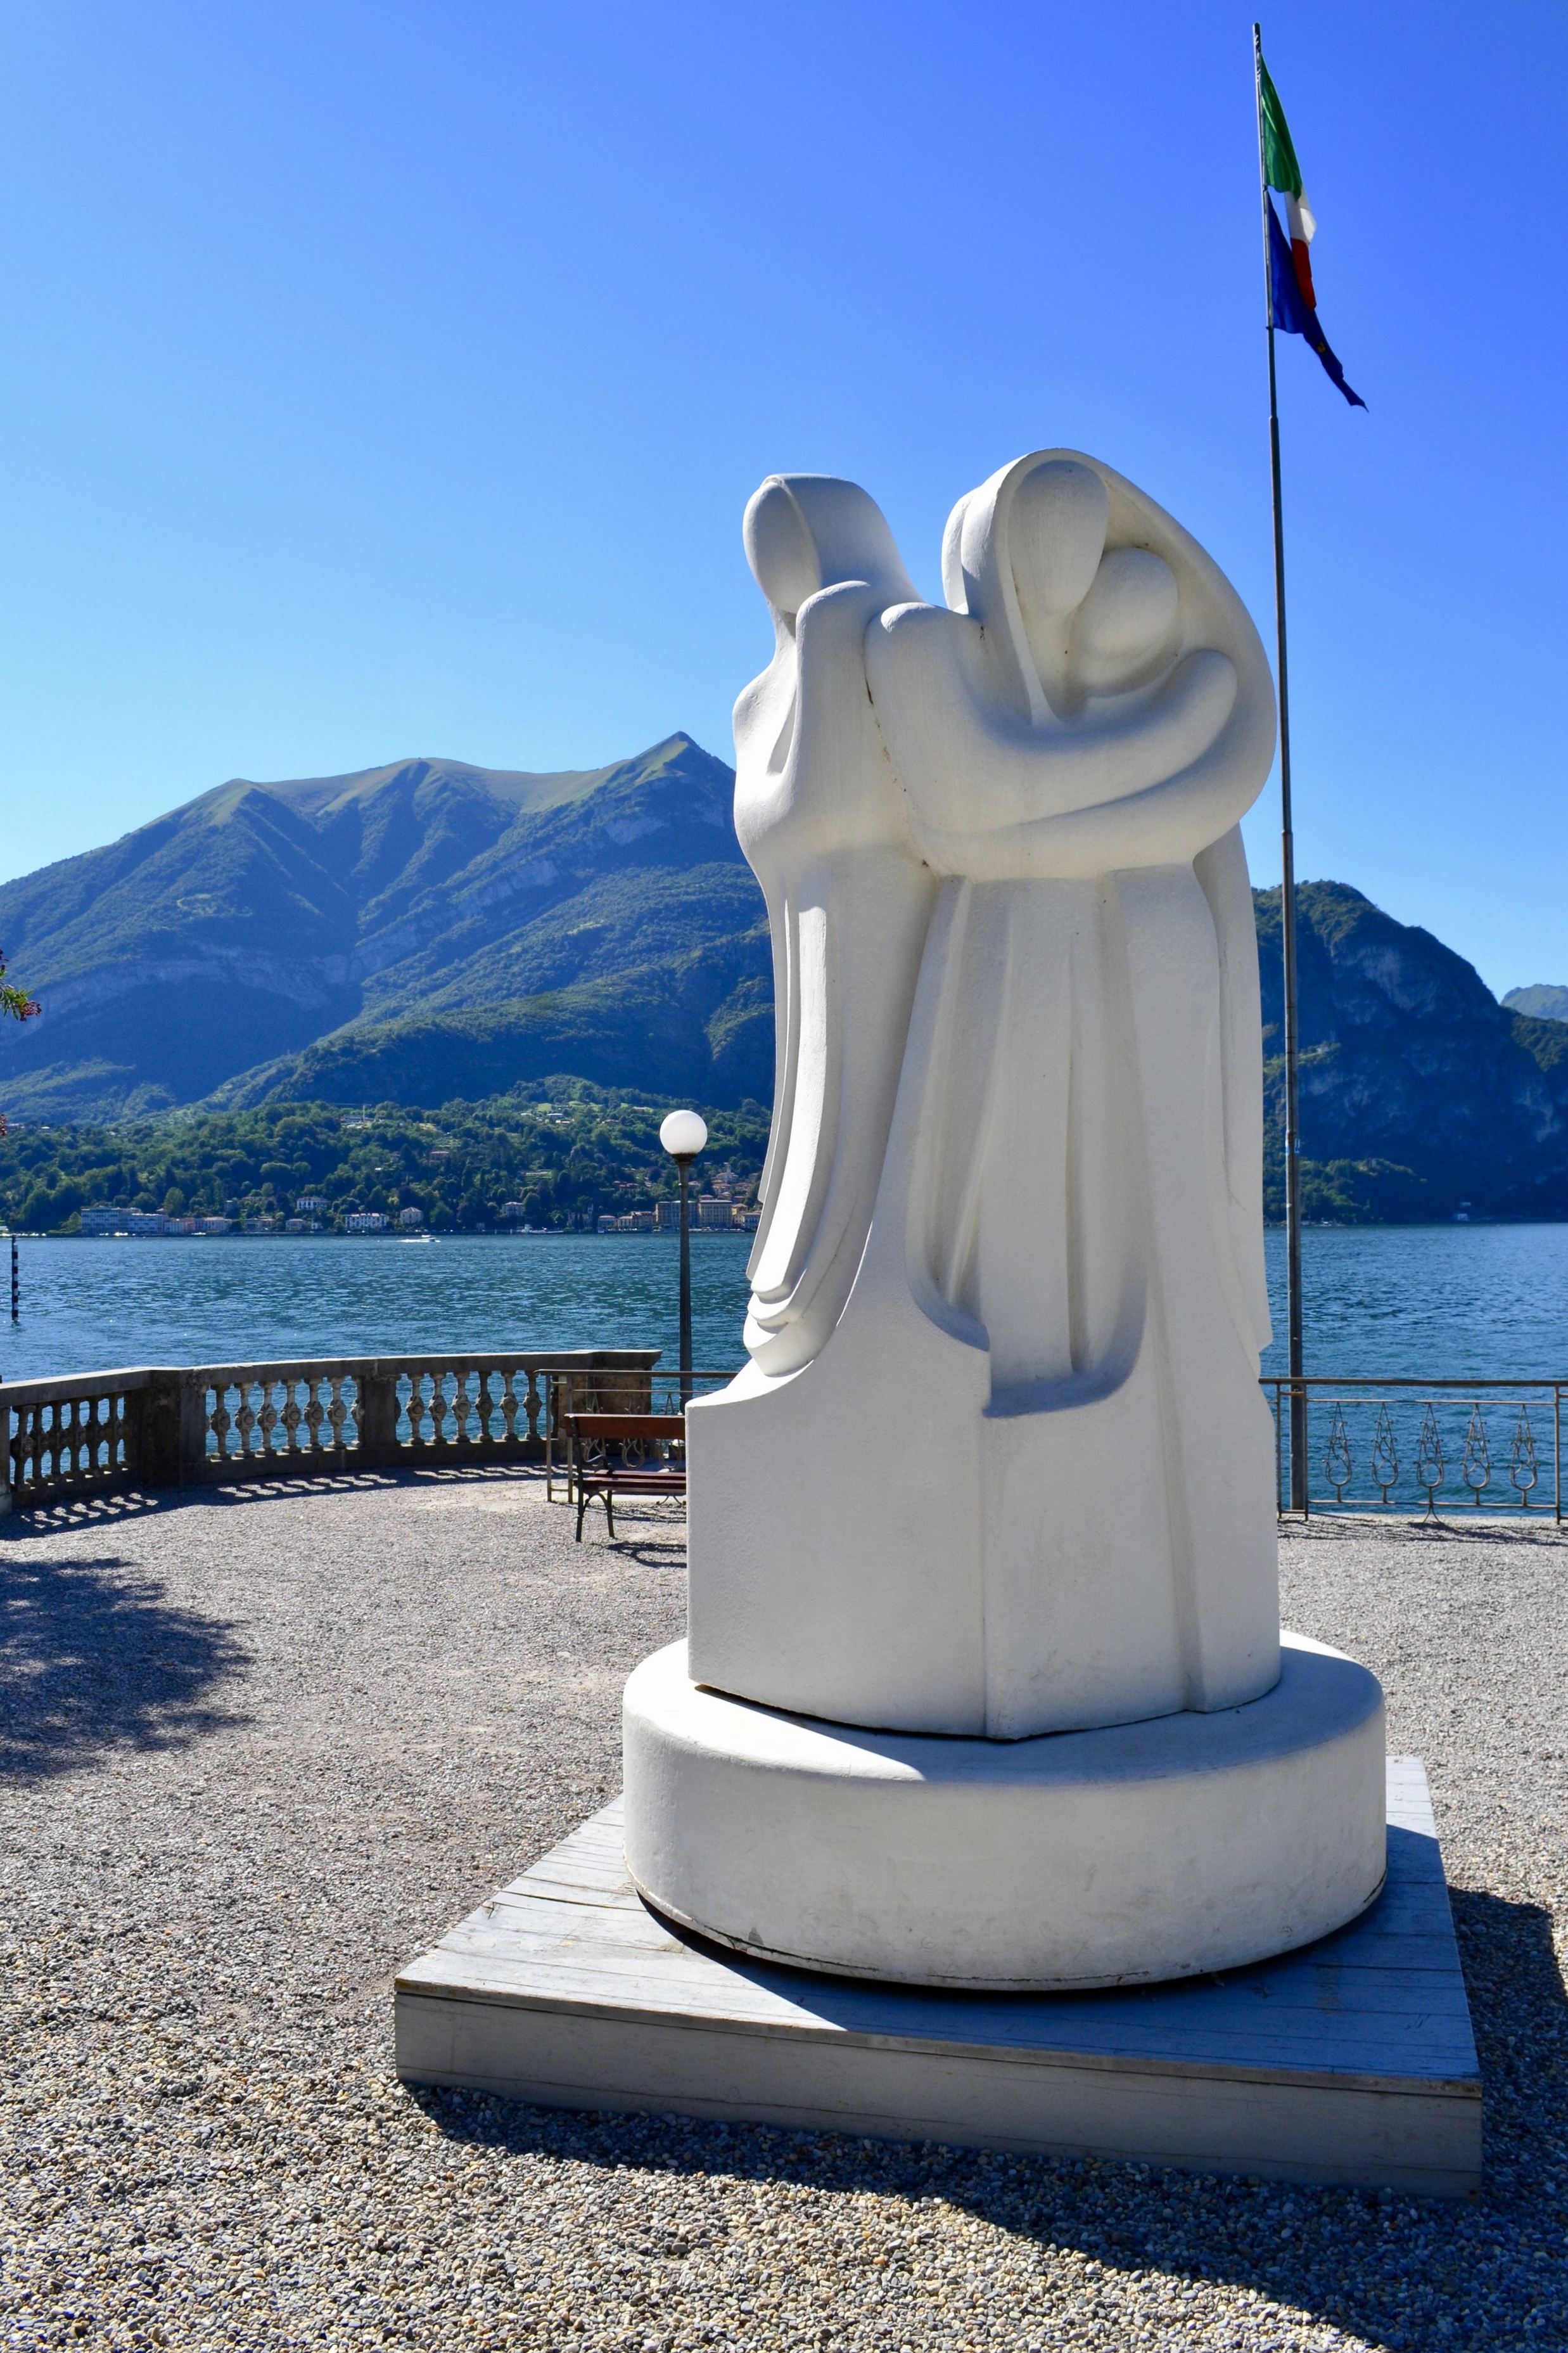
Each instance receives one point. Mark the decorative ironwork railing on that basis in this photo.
(1425, 1446)
(204, 1424)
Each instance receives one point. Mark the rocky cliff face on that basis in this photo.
(1421, 1095)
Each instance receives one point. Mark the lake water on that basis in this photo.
(1427, 1301)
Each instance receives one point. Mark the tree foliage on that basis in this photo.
(15, 1005)
(561, 1152)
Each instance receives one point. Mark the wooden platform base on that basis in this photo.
(1351, 2061)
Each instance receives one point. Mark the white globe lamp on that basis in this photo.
(683, 1134)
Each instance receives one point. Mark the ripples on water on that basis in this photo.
(1428, 1301)
(242, 1300)
(1434, 1302)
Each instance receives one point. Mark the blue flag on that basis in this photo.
(1292, 309)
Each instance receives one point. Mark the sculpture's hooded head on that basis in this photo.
(1082, 585)
(804, 532)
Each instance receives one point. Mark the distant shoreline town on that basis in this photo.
(710, 1213)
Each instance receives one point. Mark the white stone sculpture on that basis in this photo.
(999, 1468)
(822, 819)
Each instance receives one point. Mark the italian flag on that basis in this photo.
(1293, 302)
(1282, 172)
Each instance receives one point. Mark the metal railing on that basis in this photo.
(1399, 1445)
(91, 1433)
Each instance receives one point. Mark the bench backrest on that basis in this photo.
(650, 1427)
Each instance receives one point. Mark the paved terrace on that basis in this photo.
(265, 1745)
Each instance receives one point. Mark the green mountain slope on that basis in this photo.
(260, 920)
(699, 1025)
(1544, 1000)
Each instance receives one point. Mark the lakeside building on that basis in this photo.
(101, 1221)
(710, 1211)
(411, 1217)
(366, 1221)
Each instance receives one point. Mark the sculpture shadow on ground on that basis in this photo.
(93, 1658)
(1401, 2272)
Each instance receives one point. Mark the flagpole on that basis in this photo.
(1287, 868)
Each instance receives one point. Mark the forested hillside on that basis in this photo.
(564, 1155)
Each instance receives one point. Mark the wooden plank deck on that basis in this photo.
(1349, 2061)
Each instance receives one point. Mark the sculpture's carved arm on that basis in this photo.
(973, 750)
(993, 797)
(1167, 825)
(825, 772)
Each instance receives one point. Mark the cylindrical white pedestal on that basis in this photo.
(1143, 1852)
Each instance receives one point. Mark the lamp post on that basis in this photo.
(683, 1136)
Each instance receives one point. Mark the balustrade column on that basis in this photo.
(192, 1425)
(151, 1430)
(375, 1412)
(153, 1437)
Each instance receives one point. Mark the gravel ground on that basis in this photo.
(263, 1747)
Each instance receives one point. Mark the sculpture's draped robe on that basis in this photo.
(824, 823)
(1027, 1483)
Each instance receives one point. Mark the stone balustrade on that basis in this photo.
(195, 1425)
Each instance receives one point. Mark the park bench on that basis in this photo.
(623, 1454)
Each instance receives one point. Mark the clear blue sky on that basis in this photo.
(387, 377)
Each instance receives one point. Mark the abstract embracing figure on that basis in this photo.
(1012, 1326)
(825, 826)
(985, 1683)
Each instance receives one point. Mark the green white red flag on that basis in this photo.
(1293, 302)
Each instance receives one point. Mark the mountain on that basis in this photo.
(1421, 1095)
(1546, 1000)
(431, 932)
(417, 930)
